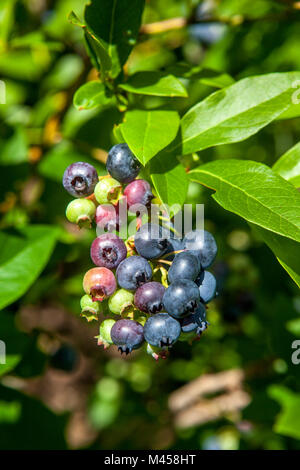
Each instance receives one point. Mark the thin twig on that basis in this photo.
(162, 26)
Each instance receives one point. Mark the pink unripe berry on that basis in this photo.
(138, 192)
(100, 283)
(108, 217)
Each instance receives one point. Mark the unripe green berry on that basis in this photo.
(107, 191)
(104, 338)
(89, 309)
(121, 300)
(81, 212)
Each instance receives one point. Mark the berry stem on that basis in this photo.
(166, 219)
(164, 261)
(171, 253)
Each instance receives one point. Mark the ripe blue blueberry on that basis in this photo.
(80, 179)
(186, 265)
(121, 164)
(108, 251)
(127, 335)
(203, 244)
(134, 271)
(181, 298)
(174, 244)
(151, 241)
(207, 287)
(194, 321)
(148, 297)
(162, 330)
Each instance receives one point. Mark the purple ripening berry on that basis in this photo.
(80, 179)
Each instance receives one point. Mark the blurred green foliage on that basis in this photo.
(255, 319)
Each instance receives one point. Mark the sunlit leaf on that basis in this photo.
(236, 112)
(154, 83)
(288, 165)
(148, 131)
(252, 191)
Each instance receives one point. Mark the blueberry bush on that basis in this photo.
(180, 102)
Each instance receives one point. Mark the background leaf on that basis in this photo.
(14, 340)
(23, 256)
(286, 422)
(288, 165)
(237, 112)
(95, 47)
(115, 24)
(203, 75)
(154, 83)
(15, 149)
(148, 131)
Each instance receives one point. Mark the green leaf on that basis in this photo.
(23, 65)
(65, 73)
(244, 8)
(115, 25)
(15, 149)
(98, 54)
(292, 112)
(293, 274)
(206, 76)
(95, 47)
(11, 361)
(10, 412)
(23, 257)
(286, 250)
(46, 428)
(287, 422)
(236, 112)
(91, 95)
(14, 343)
(73, 18)
(7, 9)
(288, 165)
(154, 83)
(252, 191)
(170, 180)
(35, 40)
(117, 131)
(147, 132)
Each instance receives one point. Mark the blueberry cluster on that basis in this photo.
(156, 286)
